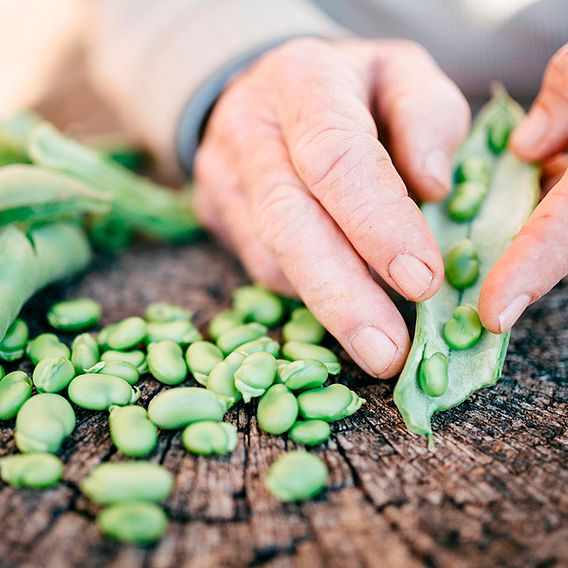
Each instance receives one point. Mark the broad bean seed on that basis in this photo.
(46, 345)
(464, 329)
(166, 362)
(201, 357)
(13, 345)
(303, 326)
(277, 410)
(161, 312)
(135, 357)
(210, 438)
(43, 423)
(310, 432)
(294, 350)
(132, 431)
(433, 374)
(84, 352)
(99, 392)
(121, 369)
(182, 332)
(303, 374)
(461, 264)
(258, 304)
(74, 315)
(223, 321)
(256, 373)
(53, 374)
(15, 389)
(329, 403)
(126, 334)
(234, 337)
(34, 471)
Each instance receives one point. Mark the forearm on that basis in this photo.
(159, 61)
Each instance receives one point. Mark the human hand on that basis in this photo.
(292, 175)
(538, 257)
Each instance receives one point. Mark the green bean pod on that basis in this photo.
(127, 334)
(34, 471)
(223, 321)
(329, 403)
(310, 432)
(210, 438)
(133, 522)
(294, 350)
(201, 357)
(304, 327)
(513, 191)
(265, 344)
(45, 346)
(30, 194)
(99, 392)
(43, 423)
(135, 357)
(277, 410)
(256, 373)
(464, 329)
(162, 312)
(258, 304)
(74, 315)
(297, 476)
(234, 337)
(53, 374)
(13, 346)
(15, 390)
(182, 332)
(301, 374)
(166, 362)
(119, 482)
(84, 352)
(132, 431)
(29, 261)
(121, 369)
(176, 408)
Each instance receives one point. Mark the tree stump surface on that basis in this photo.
(493, 493)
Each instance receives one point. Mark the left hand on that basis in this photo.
(538, 257)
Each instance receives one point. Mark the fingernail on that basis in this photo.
(436, 165)
(532, 131)
(411, 274)
(374, 349)
(513, 311)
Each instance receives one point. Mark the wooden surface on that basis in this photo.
(493, 493)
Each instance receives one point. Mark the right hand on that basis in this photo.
(292, 176)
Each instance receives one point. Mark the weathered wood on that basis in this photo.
(493, 493)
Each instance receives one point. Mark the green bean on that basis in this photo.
(30, 194)
(180, 331)
(162, 312)
(74, 315)
(464, 329)
(513, 193)
(466, 200)
(133, 522)
(29, 261)
(498, 133)
(329, 403)
(135, 357)
(462, 264)
(474, 168)
(222, 378)
(84, 352)
(15, 389)
(46, 345)
(302, 374)
(175, 408)
(297, 476)
(99, 392)
(295, 350)
(34, 471)
(434, 374)
(13, 346)
(258, 305)
(303, 326)
(53, 374)
(310, 432)
(265, 344)
(166, 362)
(138, 203)
(127, 333)
(43, 423)
(234, 337)
(121, 369)
(210, 438)
(256, 373)
(132, 431)
(119, 482)
(201, 357)
(277, 410)
(223, 321)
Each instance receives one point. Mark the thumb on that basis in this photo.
(544, 131)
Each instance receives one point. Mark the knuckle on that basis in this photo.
(281, 212)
